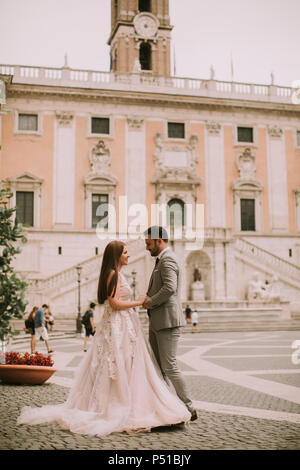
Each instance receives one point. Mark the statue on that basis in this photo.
(197, 286)
(272, 289)
(137, 66)
(259, 290)
(256, 288)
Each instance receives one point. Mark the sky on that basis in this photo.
(261, 36)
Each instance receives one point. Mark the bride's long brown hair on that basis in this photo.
(110, 262)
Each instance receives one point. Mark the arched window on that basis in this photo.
(176, 216)
(145, 56)
(145, 5)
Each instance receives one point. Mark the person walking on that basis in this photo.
(188, 312)
(40, 328)
(88, 323)
(29, 328)
(165, 311)
(194, 319)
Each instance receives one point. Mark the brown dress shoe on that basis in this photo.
(194, 415)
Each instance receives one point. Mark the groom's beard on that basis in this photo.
(155, 251)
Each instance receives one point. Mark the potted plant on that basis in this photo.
(12, 288)
(33, 369)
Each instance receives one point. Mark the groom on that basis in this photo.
(165, 312)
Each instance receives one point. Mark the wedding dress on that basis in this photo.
(118, 386)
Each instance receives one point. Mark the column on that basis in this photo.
(215, 176)
(277, 180)
(64, 169)
(135, 161)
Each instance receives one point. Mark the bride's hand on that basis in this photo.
(141, 299)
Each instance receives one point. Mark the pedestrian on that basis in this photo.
(40, 328)
(29, 328)
(51, 320)
(188, 312)
(88, 323)
(47, 319)
(194, 318)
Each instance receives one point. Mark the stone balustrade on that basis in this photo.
(279, 265)
(146, 81)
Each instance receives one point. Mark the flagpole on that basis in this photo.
(231, 64)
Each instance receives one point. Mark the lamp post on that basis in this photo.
(133, 283)
(78, 321)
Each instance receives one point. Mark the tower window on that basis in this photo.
(248, 215)
(145, 56)
(298, 138)
(145, 5)
(245, 134)
(176, 130)
(100, 125)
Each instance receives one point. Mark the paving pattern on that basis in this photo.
(246, 387)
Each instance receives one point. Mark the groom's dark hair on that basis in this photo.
(156, 232)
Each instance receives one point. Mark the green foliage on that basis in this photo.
(12, 289)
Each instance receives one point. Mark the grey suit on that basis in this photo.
(165, 320)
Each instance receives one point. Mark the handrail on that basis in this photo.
(284, 266)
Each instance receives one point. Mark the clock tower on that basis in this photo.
(140, 38)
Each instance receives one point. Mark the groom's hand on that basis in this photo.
(145, 304)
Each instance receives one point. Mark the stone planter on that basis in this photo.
(21, 374)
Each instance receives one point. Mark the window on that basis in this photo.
(100, 210)
(175, 215)
(245, 134)
(145, 56)
(100, 125)
(298, 138)
(248, 214)
(145, 5)
(28, 122)
(24, 203)
(176, 130)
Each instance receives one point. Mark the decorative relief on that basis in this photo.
(135, 123)
(64, 118)
(275, 131)
(100, 158)
(213, 127)
(246, 164)
(175, 162)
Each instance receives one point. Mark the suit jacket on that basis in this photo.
(164, 306)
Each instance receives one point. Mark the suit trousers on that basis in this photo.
(164, 344)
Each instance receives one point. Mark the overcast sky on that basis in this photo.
(261, 35)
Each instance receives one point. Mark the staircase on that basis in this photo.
(273, 262)
(258, 259)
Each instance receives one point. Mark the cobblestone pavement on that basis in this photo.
(246, 387)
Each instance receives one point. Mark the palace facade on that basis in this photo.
(73, 141)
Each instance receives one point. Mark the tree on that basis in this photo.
(12, 289)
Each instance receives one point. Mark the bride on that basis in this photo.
(118, 386)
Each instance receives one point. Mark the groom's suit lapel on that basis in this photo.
(155, 267)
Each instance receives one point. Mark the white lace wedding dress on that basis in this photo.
(118, 386)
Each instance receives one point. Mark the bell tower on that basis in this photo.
(140, 38)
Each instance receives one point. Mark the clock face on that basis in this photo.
(145, 25)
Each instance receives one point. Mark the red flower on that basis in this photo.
(36, 359)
